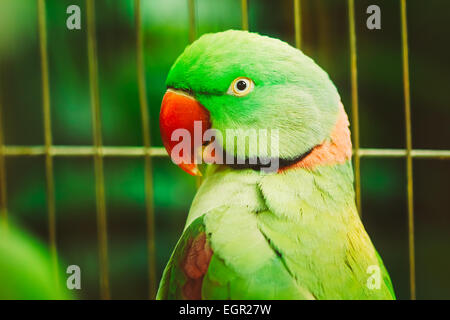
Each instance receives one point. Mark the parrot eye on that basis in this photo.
(241, 87)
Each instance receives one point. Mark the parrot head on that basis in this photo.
(236, 80)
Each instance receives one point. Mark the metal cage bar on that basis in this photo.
(192, 21)
(135, 152)
(298, 23)
(244, 13)
(3, 194)
(409, 164)
(49, 174)
(401, 153)
(355, 106)
(192, 37)
(145, 119)
(84, 151)
(98, 156)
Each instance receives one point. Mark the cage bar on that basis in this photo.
(192, 37)
(3, 196)
(244, 12)
(192, 29)
(98, 156)
(401, 153)
(49, 174)
(136, 152)
(409, 168)
(145, 119)
(298, 23)
(355, 105)
(84, 151)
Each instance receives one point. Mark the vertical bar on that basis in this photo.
(355, 107)
(409, 165)
(298, 23)
(244, 10)
(192, 31)
(47, 134)
(3, 197)
(192, 37)
(147, 144)
(98, 157)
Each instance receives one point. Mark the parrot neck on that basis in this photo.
(335, 150)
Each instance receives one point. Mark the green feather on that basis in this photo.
(295, 234)
(291, 94)
(282, 236)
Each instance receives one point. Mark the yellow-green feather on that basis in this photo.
(291, 235)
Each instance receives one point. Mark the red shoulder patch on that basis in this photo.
(195, 265)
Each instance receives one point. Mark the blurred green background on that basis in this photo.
(166, 33)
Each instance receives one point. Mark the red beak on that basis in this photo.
(179, 110)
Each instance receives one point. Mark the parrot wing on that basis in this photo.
(283, 243)
(223, 255)
(386, 278)
(313, 224)
(180, 275)
(345, 266)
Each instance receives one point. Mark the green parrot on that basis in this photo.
(292, 232)
(26, 271)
